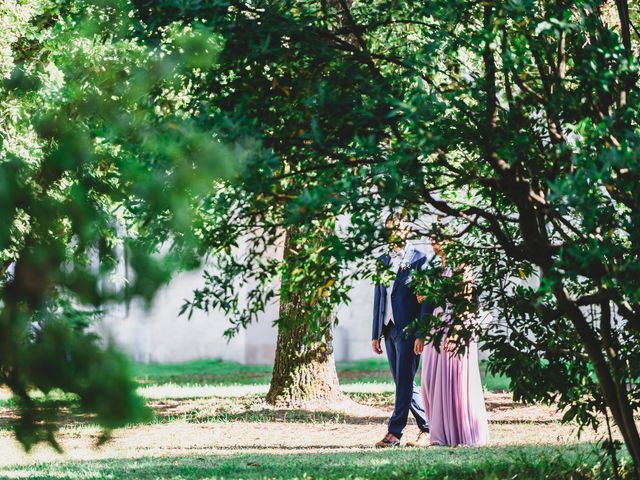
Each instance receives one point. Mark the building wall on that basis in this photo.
(158, 334)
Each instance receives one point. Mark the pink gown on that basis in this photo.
(453, 397)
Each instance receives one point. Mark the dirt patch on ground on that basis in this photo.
(359, 410)
(247, 424)
(366, 408)
(273, 436)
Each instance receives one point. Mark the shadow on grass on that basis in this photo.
(290, 416)
(307, 416)
(576, 461)
(253, 410)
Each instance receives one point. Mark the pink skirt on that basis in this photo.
(453, 397)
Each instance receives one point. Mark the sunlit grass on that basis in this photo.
(217, 372)
(194, 399)
(215, 378)
(578, 461)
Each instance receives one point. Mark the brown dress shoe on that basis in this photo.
(421, 441)
(389, 440)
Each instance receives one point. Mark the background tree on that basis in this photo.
(515, 123)
(538, 132)
(276, 93)
(98, 160)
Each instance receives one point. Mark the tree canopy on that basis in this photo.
(513, 125)
(99, 161)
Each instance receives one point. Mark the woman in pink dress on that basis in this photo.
(451, 389)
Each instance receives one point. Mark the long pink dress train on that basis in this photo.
(453, 397)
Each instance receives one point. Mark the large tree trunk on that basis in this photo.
(304, 371)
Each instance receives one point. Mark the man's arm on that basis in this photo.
(426, 309)
(375, 333)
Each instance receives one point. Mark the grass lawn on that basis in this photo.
(211, 421)
(200, 378)
(531, 462)
(216, 372)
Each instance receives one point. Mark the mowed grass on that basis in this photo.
(221, 433)
(191, 379)
(219, 373)
(577, 461)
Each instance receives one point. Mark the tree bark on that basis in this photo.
(304, 371)
(615, 395)
(627, 421)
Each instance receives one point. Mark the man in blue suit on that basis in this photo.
(394, 308)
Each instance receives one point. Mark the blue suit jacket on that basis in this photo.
(404, 303)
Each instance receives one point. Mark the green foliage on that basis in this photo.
(512, 126)
(66, 359)
(451, 289)
(100, 163)
(280, 100)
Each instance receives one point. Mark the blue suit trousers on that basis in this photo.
(404, 365)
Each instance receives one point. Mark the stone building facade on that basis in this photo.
(159, 334)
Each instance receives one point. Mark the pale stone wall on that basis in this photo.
(160, 335)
